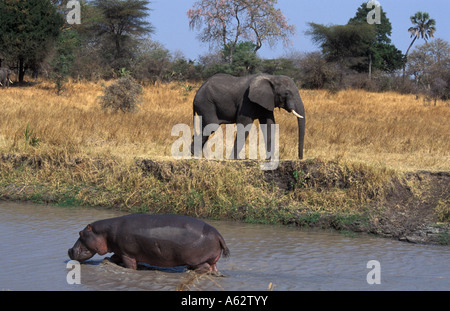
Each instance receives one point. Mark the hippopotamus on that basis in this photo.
(157, 240)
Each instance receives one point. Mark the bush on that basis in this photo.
(124, 94)
(316, 72)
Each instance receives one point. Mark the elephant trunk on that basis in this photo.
(297, 108)
(301, 136)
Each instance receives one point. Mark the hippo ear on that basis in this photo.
(88, 228)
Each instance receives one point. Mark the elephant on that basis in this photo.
(226, 99)
(5, 75)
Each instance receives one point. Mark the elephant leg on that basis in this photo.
(266, 128)
(196, 147)
(243, 125)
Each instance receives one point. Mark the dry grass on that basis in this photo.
(382, 129)
(68, 151)
(390, 129)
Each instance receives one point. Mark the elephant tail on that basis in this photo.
(194, 122)
(194, 110)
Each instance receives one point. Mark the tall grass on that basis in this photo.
(69, 151)
(386, 129)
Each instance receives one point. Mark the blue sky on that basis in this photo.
(172, 27)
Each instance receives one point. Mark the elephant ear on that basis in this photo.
(261, 93)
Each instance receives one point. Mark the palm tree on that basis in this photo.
(424, 27)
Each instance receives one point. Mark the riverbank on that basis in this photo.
(315, 193)
(366, 153)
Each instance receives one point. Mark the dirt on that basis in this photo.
(411, 208)
(409, 205)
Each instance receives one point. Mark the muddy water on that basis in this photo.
(34, 240)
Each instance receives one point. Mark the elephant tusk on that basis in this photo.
(297, 115)
(10, 81)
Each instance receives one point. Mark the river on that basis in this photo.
(34, 240)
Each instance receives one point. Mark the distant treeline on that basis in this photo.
(114, 39)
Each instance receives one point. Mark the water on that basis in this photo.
(34, 240)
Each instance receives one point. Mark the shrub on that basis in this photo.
(124, 94)
(443, 211)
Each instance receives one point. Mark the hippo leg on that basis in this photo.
(213, 268)
(202, 268)
(129, 262)
(206, 268)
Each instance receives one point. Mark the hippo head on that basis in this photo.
(88, 244)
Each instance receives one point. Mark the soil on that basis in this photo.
(411, 208)
(409, 205)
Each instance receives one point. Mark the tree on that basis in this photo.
(245, 61)
(122, 21)
(347, 45)
(424, 27)
(316, 72)
(430, 65)
(342, 42)
(27, 30)
(383, 30)
(226, 23)
(64, 57)
(280, 66)
(152, 61)
(183, 69)
(380, 53)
